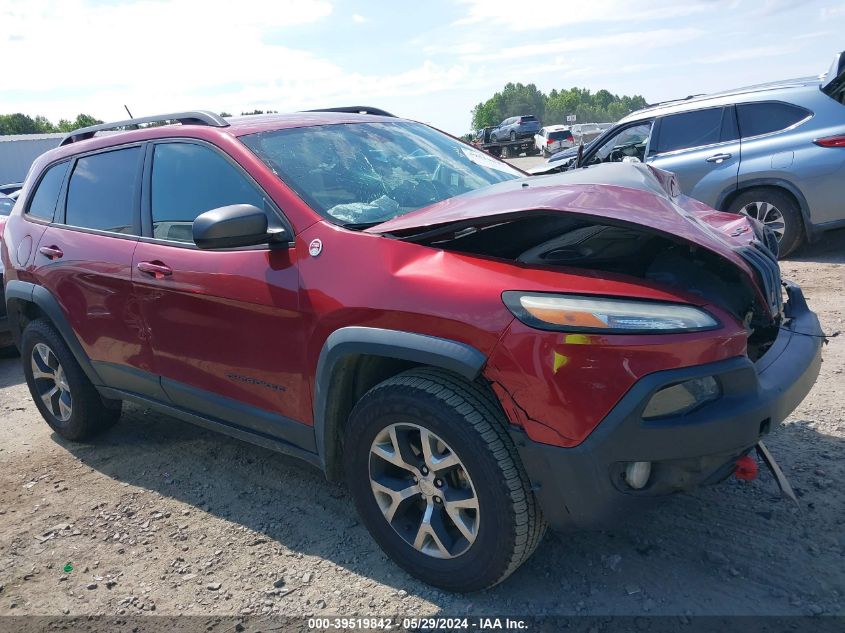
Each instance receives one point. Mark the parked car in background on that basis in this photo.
(504, 147)
(510, 352)
(514, 128)
(482, 136)
(774, 152)
(586, 132)
(6, 204)
(561, 160)
(10, 188)
(552, 139)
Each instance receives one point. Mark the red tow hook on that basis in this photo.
(746, 468)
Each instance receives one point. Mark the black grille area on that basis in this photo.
(765, 265)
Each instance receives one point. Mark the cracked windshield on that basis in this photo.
(362, 174)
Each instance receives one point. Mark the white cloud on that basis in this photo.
(618, 41)
(358, 19)
(832, 12)
(545, 14)
(182, 55)
(739, 54)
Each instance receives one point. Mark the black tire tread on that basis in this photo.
(94, 414)
(480, 409)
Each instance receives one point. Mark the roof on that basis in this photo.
(719, 98)
(251, 124)
(238, 126)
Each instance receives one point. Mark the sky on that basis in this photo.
(429, 60)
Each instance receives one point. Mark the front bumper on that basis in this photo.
(583, 486)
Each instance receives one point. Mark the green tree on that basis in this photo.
(551, 109)
(514, 99)
(81, 120)
(19, 123)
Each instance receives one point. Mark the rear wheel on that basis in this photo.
(437, 480)
(777, 211)
(65, 397)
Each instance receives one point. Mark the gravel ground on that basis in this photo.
(159, 516)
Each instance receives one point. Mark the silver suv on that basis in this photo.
(775, 152)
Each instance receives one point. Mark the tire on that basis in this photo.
(504, 153)
(790, 228)
(467, 426)
(493, 138)
(513, 136)
(76, 411)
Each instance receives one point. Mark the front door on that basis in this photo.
(702, 149)
(225, 326)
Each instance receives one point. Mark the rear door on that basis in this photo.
(84, 259)
(225, 326)
(701, 148)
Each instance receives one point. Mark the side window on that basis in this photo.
(690, 129)
(191, 179)
(632, 141)
(766, 117)
(101, 193)
(43, 204)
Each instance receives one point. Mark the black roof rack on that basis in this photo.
(682, 99)
(193, 117)
(356, 110)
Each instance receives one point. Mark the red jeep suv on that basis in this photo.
(475, 352)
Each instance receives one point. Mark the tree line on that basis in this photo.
(19, 123)
(553, 108)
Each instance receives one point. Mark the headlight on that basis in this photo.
(574, 313)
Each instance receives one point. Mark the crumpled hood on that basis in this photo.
(630, 193)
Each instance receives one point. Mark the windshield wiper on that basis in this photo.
(360, 226)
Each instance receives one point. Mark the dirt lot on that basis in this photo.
(161, 516)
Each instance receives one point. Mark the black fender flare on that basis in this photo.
(735, 190)
(26, 292)
(460, 358)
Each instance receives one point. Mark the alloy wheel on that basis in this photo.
(51, 382)
(768, 214)
(424, 490)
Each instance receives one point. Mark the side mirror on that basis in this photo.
(233, 226)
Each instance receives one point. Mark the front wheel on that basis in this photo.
(513, 136)
(775, 210)
(438, 482)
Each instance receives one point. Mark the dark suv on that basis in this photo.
(474, 352)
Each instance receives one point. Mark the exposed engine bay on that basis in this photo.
(584, 244)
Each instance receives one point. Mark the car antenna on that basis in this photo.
(126, 107)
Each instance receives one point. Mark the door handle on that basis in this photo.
(718, 158)
(51, 252)
(156, 269)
